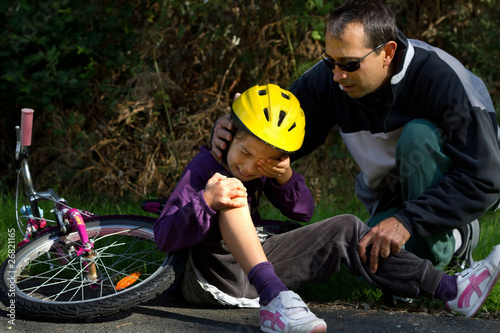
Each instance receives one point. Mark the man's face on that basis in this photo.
(374, 68)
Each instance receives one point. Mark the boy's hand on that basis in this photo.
(277, 169)
(223, 192)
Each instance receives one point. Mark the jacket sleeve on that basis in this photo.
(186, 217)
(467, 120)
(294, 199)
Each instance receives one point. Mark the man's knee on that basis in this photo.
(419, 139)
(420, 149)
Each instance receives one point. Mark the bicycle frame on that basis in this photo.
(75, 265)
(66, 217)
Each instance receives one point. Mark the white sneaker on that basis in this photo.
(475, 284)
(287, 313)
(469, 237)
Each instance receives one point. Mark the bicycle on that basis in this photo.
(78, 265)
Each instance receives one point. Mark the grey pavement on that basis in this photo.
(164, 315)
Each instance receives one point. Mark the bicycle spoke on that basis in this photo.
(58, 272)
(64, 268)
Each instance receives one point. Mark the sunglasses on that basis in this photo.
(347, 66)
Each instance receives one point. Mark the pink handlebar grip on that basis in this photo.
(26, 126)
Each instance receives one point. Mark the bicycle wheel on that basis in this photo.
(50, 278)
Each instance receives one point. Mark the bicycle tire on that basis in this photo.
(49, 282)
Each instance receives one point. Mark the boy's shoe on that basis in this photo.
(470, 238)
(475, 284)
(287, 313)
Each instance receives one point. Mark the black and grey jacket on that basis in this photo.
(429, 83)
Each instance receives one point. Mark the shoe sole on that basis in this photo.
(464, 257)
(317, 329)
(476, 231)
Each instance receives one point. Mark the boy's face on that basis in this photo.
(243, 154)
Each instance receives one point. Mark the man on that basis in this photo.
(421, 127)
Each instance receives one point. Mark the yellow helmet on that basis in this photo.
(271, 114)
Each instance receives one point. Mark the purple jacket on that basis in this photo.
(186, 218)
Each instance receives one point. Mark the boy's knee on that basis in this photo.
(348, 224)
(354, 221)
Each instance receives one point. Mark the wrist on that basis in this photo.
(285, 177)
(207, 198)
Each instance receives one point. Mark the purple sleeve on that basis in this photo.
(186, 217)
(294, 199)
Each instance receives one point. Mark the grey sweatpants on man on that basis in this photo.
(308, 254)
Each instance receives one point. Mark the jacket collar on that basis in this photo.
(403, 58)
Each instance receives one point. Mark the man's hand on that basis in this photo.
(222, 134)
(222, 131)
(386, 237)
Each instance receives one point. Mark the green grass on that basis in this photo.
(7, 223)
(345, 287)
(99, 206)
(342, 286)
(490, 236)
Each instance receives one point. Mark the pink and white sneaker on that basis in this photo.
(287, 313)
(475, 284)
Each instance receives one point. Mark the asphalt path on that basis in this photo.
(174, 315)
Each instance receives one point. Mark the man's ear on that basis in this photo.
(390, 51)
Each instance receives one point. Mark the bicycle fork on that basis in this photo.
(89, 255)
(87, 249)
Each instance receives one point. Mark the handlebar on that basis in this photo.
(26, 126)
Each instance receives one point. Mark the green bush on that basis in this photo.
(125, 93)
(63, 57)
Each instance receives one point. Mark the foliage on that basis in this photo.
(125, 93)
(66, 61)
(467, 29)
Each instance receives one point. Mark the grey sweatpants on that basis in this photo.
(310, 254)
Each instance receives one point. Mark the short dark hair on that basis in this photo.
(377, 18)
